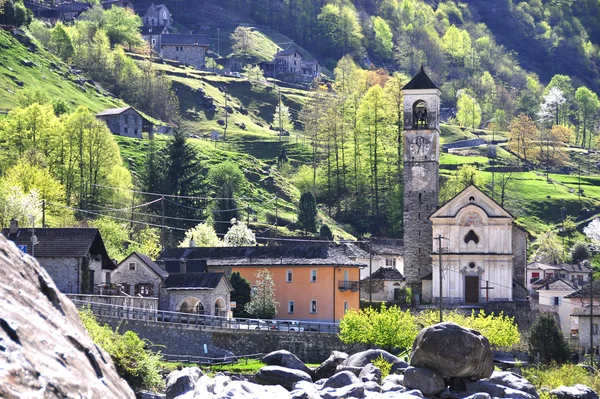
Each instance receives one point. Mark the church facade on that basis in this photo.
(483, 251)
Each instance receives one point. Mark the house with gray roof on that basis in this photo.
(187, 49)
(151, 34)
(157, 15)
(139, 275)
(124, 121)
(291, 65)
(384, 285)
(75, 258)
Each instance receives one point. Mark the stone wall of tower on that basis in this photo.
(418, 205)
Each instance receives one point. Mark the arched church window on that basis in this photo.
(420, 114)
(471, 236)
(217, 308)
(184, 308)
(471, 199)
(200, 308)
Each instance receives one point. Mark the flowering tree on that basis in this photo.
(239, 235)
(550, 249)
(203, 235)
(549, 110)
(592, 231)
(263, 304)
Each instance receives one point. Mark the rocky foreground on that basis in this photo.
(45, 351)
(447, 362)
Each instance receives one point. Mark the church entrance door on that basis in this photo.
(471, 289)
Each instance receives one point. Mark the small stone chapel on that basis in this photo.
(483, 251)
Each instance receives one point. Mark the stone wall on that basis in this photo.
(127, 301)
(141, 275)
(192, 55)
(64, 272)
(180, 340)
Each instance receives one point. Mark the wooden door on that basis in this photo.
(471, 289)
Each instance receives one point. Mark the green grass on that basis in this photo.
(43, 77)
(453, 159)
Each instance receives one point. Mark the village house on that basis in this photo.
(314, 282)
(137, 274)
(538, 274)
(124, 121)
(70, 11)
(157, 15)
(357, 254)
(151, 34)
(551, 296)
(290, 65)
(573, 303)
(188, 49)
(587, 330)
(75, 258)
(390, 250)
(385, 285)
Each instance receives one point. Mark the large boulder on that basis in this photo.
(495, 390)
(286, 359)
(180, 382)
(425, 380)
(329, 366)
(348, 391)
(577, 391)
(453, 351)
(514, 381)
(341, 380)
(277, 375)
(361, 359)
(45, 351)
(370, 373)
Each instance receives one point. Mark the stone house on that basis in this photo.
(70, 11)
(201, 293)
(137, 274)
(157, 15)
(315, 281)
(151, 34)
(385, 285)
(552, 295)
(69, 255)
(123, 121)
(290, 65)
(587, 329)
(390, 250)
(573, 303)
(188, 49)
(538, 274)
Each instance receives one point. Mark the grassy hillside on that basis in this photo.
(32, 67)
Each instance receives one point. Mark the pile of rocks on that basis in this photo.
(447, 362)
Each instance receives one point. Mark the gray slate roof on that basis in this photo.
(113, 111)
(263, 255)
(586, 311)
(63, 243)
(387, 246)
(288, 52)
(185, 40)
(152, 30)
(584, 292)
(152, 265)
(386, 274)
(420, 81)
(194, 280)
(547, 285)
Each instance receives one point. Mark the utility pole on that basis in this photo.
(218, 42)
(592, 352)
(440, 238)
(280, 122)
(579, 179)
(162, 239)
(33, 237)
(43, 213)
(370, 271)
(276, 210)
(226, 117)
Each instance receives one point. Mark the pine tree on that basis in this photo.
(307, 213)
(547, 341)
(240, 294)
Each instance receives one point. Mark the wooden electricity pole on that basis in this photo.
(439, 238)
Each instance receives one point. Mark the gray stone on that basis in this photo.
(305, 390)
(286, 359)
(328, 367)
(453, 351)
(495, 390)
(396, 379)
(414, 392)
(45, 350)
(340, 380)
(514, 381)
(356, 390)
(182, 381)
(479, 395)
(361, 359)
(577, 391)
(370, 373)
(277, 375)
(425, 380)
(372, 386)
(354, 370)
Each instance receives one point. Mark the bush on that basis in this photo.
(546, 340)
(580, 252)
(136, 364)
(382, 365)
(555, 376)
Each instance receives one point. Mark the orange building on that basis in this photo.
(314, 281)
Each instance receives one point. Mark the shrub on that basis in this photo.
(546, 340)
(382, 365)
(551, 377)
(136, 364)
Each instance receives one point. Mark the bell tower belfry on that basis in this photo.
(421, 170)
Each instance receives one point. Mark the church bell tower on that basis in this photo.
(421, 169)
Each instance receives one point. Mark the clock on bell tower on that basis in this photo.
(421, 170)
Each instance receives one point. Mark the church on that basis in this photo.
(469, 250)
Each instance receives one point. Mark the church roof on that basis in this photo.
(481, 201)
(420, 81)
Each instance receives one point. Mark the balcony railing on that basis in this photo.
(345, 285)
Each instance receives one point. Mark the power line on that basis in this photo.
(170, 195)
